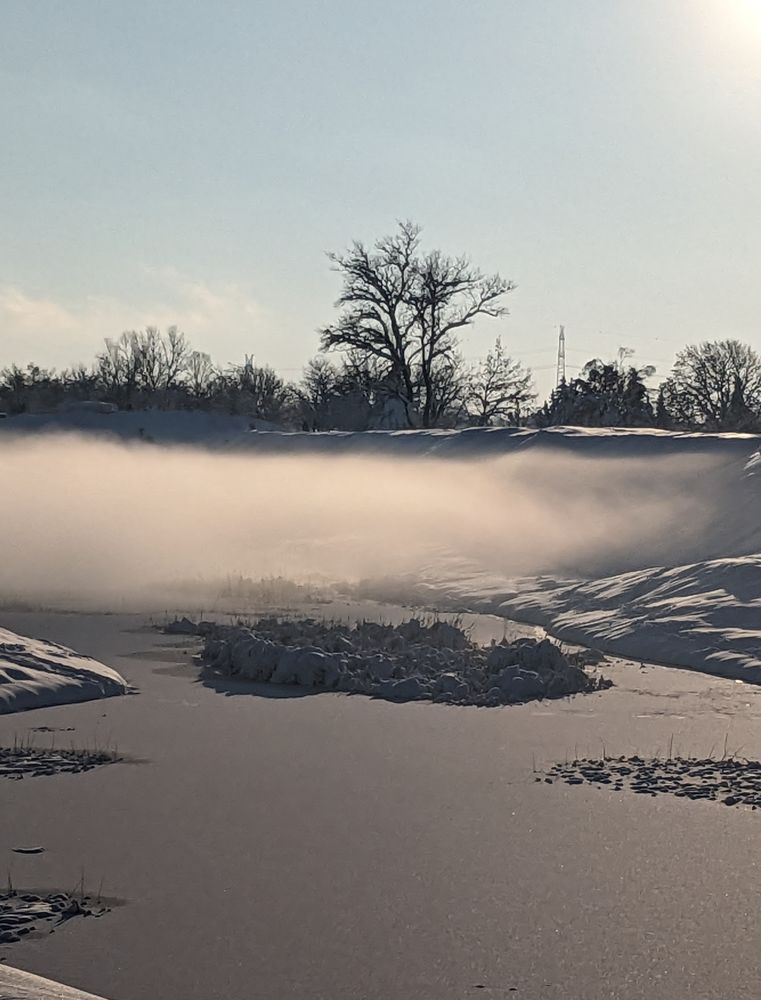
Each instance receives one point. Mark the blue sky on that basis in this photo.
(191, 162)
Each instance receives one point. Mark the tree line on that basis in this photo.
(392, 358)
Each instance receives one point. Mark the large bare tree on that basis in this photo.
(405, 309)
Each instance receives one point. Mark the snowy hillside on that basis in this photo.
(705, 616)
(35, 673)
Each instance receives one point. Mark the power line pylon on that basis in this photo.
(560, 374)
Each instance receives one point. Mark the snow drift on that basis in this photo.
(35, 673)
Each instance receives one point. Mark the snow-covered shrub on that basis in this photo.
(408, 662)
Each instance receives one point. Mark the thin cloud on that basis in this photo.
(217, 317)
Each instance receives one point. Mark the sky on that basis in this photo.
(191, 162)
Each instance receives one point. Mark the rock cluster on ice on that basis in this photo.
(730, 780)
(24, 760)
(24, 913)
(408, 662)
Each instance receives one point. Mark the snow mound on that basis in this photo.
(35, 673)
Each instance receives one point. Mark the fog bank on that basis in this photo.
(84, 516)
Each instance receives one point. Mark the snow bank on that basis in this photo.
(35, 673)
(18, 985)
(493, 442)
(196, 427)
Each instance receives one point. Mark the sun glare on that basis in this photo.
(747, 12)
(734, 25)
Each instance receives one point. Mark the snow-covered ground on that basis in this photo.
(196, 427)
(35, 673)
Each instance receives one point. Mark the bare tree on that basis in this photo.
(14, 388)
(317, 392)
(405, 310)
(118, 367)
(256, 390)
(161, 358)
(377, 317)
(321, 380)
(446, 391)
(716, 385)
(500, 388)
(32, 388)
(81, 382)
(148, 360)
(449, 294)
(176, 351)
(149, 351)
(200, 374)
